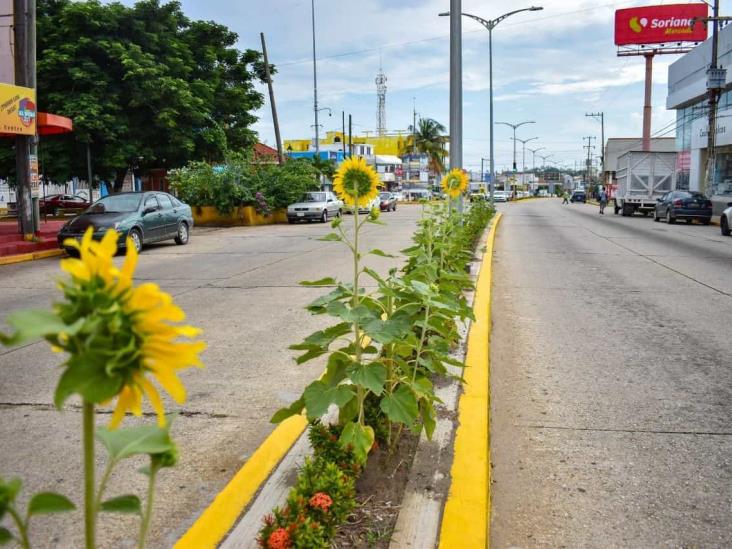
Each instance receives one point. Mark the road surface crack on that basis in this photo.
(42, 406)
(631, 431)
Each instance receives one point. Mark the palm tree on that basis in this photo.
(429, 140)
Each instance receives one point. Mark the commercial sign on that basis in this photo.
(34, 181)
(661, 24)
(17, 110)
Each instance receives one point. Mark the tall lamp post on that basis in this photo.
(533, 158)
(523, 155)
(490, 24)
(315, 86)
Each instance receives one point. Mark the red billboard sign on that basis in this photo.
(660, 24)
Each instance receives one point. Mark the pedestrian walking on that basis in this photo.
(565, 196)
(603, 200)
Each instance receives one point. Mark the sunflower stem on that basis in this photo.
(22, 527)
(90, 508)
(145, 524)
(356, 327)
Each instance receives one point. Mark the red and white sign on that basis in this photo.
(661, 24)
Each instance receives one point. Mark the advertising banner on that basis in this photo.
(661, 24)
(17, 110)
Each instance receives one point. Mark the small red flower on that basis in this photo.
(321, 501)
(279, 539)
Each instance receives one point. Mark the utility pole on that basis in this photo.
(414, 126)
(716, 78)
(600, 116)
(343, 124)
(24, 22)
(275, 120)
(589, 148)
(350, 137)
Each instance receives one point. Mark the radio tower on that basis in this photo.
(380, 101)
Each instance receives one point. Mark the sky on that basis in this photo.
(551, 66)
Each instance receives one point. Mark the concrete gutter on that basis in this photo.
(20, 258)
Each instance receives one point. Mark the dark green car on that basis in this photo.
(144, 217)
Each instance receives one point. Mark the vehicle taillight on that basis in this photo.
(678, 203)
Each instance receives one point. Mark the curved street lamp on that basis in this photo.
(490, 24)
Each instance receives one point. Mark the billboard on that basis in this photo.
(660, 24)
(17, 110)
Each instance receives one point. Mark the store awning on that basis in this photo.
(387, 159)
(50, 124)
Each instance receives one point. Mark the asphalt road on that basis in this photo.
(611, 381)
(241, 286)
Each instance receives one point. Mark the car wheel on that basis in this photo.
(689, 221)
(670, 220)
(324, 217)
(182, 237)
(136, 237)
(54, 212)
(655, 216)
(724, 226)
(707, 221)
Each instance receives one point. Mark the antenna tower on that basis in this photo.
(380, 101)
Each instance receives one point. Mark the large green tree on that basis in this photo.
(145, 86)
(429, 139)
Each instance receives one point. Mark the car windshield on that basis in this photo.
(314, 197)
(385, 196)
(116, 203)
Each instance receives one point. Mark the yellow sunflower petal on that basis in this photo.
(155, 400)
(170, 382)
(76, 268)
(124, 403)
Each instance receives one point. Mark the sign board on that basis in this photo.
(34, 181)
(17, 110)
(661, 24)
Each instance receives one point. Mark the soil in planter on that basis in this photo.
(379, 492)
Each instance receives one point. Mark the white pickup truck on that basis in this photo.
(643, 177)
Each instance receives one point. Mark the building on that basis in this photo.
(394, 144)
(687, 90)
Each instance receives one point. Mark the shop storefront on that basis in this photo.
(687, 95)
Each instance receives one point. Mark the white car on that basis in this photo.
(375, 203)
(315, 206)
(500, 196)
(725, 220)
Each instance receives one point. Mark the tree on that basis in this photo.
(145, 86)
(429, 140)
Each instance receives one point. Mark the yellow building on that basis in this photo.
(390, 144)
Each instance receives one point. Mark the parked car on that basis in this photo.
(365, 208)
(688, 205)
(578, 196)
(144, 217)
(725, 220)
(315, 206)
(50, 205)
(387, 202)
(478, 196)
(415, 195)
(500, 196)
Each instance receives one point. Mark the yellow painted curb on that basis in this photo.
(216, 521)
(466, 519)
(20, 258)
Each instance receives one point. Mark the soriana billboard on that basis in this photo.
(660, 24)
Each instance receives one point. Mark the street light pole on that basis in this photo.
(533, 158)
(523, 154)
(456, 89)
(315, 86)
(490, 25)
(515, 127)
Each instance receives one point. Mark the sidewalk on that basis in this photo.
(13, 247)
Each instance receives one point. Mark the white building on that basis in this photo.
(687, 95)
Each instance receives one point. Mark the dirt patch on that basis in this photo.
(379, 492)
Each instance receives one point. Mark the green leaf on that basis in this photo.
(49, 502)
(360, 438)
(328, 281)
(33, 324)
(421, 288)
(373, 274)
(5, 536)
(335, 372)
(319, 396)
(323, 338)
(429, 422)
(332, 237)
(372, 376)
(292, 410)
(380, 253)
(348, 412)
(310, 355)
(387, 331)
(128, 504)
(401, 405)
(145, 439)
(86, 375)
(12, 488)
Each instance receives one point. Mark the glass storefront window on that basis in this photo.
(723, 175)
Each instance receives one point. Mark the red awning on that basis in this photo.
(50, 124)
(53, 124)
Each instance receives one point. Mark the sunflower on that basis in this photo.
(455, 183)
(355, 182)
(136, 329)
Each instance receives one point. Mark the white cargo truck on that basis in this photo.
(643, 177)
